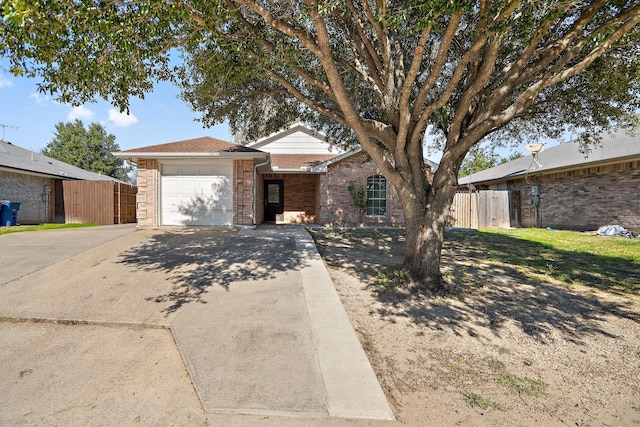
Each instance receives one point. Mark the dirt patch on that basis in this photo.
(506, 347)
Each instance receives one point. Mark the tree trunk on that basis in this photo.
(424, 227)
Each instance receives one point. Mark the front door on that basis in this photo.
(273, 199)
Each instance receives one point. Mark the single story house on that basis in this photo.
(38, 183)
(565, 189)
(291, 177)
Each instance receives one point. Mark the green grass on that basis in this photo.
(19, 228)
(528, 386)
(388, 280)
(474, 399)
(572, 258)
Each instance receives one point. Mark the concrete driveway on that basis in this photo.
(114, 325)
(24, 253)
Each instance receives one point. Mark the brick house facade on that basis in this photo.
(149, 192)
(571, 190)
(243, 192)
(582, 199)
(290, 178)
(30, 192)
(148, 179)
(301, 191)
(337, 206)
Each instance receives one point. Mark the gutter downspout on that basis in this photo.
(255, 188)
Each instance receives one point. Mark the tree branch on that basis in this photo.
(280, 26)
(351, 115)
(489, 120)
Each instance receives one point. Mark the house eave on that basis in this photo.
(540, 172)
(322, 167)
(275, 169)
(132, 156)
(38, 174)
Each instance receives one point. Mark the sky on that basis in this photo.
(28, 117)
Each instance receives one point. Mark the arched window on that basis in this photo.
(376, 195)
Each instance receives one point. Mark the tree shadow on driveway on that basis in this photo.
(196, 259)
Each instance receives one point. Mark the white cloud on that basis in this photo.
(80, 112)
(5, 82)
(119, 119)
(38, 97)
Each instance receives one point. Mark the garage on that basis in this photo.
(197, 194)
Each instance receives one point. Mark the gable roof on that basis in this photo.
(205, 146)
(294, 128)
(298, 138)
(21, 160)
(614, 148)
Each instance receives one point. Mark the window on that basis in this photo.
(376, 196)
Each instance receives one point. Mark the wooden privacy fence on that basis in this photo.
(480, 209)
(97, 202)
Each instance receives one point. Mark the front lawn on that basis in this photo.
(536, 325)
(471, 257)
(571, 258)
(18, 228)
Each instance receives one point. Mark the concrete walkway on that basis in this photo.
(279, 345)
(180, 326)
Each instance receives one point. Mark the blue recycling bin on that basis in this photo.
(9, 213)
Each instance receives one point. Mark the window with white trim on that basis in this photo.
(376, 195)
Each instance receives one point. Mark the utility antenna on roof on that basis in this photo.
(4, 128)
(534, 149)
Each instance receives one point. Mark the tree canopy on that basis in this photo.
(87, 148)
(378, 74)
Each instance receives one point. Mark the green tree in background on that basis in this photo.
(479, 159)
(89, 149)
(375, 74)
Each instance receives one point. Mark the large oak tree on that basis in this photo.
(376, 73)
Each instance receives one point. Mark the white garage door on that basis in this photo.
(197, 194)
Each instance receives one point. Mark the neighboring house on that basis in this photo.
(38, 183)
(564, 188)
(291, 177)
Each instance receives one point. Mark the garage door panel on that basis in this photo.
(197, 198)
(219, 169)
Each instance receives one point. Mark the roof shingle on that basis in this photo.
(21, 159)
(616, 147)
(204, 144)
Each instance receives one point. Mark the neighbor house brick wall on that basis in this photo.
(336, 204)
(243, 189)
(28, 190)
(300, 197)
(584, 199)
(147, 198)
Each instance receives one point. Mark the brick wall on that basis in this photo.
(28, 190)
(147, 198)
(336, 204)
(300, 197)
(243, 192)
(584, 199)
